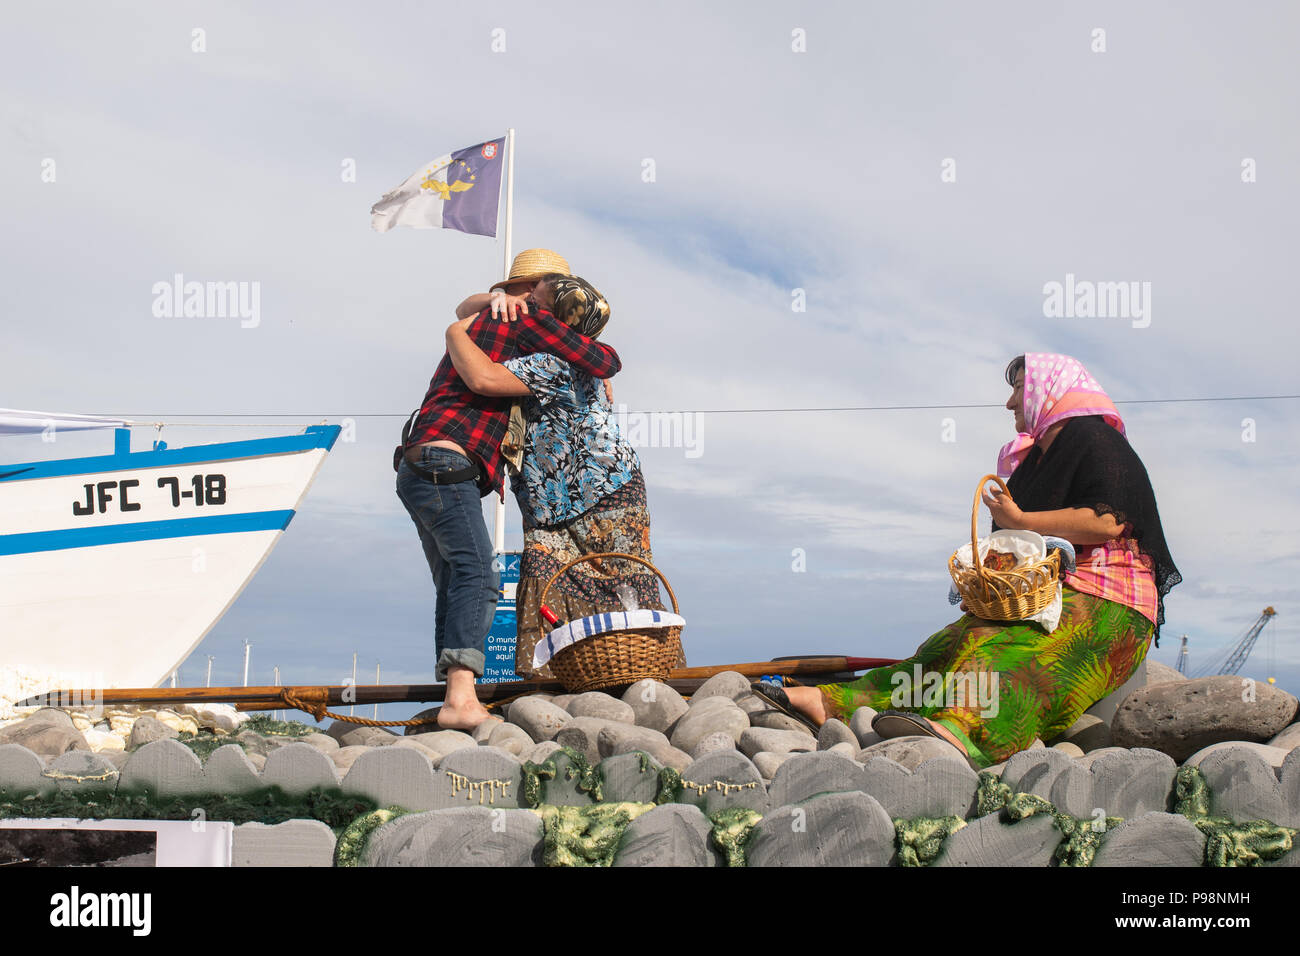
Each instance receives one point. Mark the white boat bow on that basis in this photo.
(113, 568)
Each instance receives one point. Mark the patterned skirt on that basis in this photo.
(998, 686)
(619, 522)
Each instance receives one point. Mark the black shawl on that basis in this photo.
(1091, 465)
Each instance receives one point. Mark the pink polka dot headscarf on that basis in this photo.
(1057, 387)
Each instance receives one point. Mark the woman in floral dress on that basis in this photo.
(1071, 474)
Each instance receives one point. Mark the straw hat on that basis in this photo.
(532, 264)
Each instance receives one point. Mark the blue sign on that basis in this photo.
(499, 648)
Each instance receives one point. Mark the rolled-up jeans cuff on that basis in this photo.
(459, 656)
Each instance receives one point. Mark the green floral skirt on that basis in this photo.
(998, 686)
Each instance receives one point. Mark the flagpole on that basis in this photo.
(499, 529)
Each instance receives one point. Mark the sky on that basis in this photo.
(809, 220)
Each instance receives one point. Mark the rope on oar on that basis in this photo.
(313, 700)
(495, 704)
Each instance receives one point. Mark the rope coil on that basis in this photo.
(314, 701)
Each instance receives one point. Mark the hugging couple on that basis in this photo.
(524, 385)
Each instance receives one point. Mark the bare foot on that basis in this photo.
(464, 716)
(461, 710)
(808, 700)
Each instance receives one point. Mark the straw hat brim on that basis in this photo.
(531, 264)
(531, 277)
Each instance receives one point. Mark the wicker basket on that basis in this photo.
(1003, 595)
(616, 657)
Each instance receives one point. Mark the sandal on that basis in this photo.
(899, 723)
(778, 698)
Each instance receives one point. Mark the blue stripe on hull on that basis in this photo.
(62, 540)
(316, 436)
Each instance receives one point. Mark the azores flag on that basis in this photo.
(461, 190)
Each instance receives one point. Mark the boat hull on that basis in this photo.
(113, 569)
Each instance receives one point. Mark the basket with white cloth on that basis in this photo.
(611, 649)
(1016, 594)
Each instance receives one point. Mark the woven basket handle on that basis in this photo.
(591, 557)
(974, 517)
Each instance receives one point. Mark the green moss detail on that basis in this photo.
(1228, 843)
(1191, 793)
(1081, 837)
(589, 780)
(585, 836)
(270, 805)
(269, 727)
(351, 844)
(919, 841)
(532, 787)
(1245, 844)
(991, 795)
(670, 786)
(206, 742)
(532, 791)
(670, 781)
(731, 832)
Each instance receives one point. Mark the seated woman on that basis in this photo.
(1072, 475)
(579, 485)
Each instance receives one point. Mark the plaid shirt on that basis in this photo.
(451, 412)
(1118, 572)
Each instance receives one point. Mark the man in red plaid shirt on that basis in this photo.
(452, 458)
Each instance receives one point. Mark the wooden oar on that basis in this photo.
(487, 693)
(684, 680)
(791, 667)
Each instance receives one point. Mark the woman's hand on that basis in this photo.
(1006, 513)
(1079, 526)
(507, 307)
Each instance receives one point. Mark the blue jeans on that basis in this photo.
(456, 545)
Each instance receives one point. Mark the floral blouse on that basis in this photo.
(574, 454)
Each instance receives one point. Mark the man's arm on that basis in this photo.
(472, 364)
(544, 333)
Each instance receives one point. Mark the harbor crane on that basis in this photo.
(1237, 656)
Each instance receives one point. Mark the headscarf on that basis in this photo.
(1057, 387)
(577, 304)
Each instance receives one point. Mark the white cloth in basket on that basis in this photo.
(585, 627)
(1026, 545)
